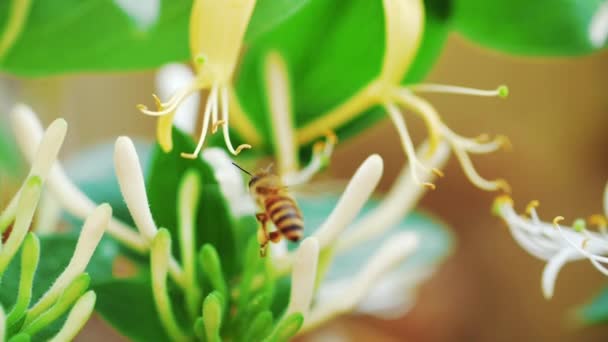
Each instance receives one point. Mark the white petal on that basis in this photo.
(552, 269)
(145, 13)
(171, 78)
(132, 186)
(303, 277)
(355, 195)
(598, 27)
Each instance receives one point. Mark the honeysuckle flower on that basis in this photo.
(216, 34)
(555, 243)
(389, 288)
(404, 22)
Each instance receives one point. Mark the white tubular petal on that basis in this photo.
(78, 316)
(389, 255)
(303, 277)
(132, 186)
(39, 146)
(89, 238)
(48, 216)
(404, 194)
(230, 180)
(277, 87)
(606, 200)
(30, 134)
(357, 192)
(170, 79)
(552, 269)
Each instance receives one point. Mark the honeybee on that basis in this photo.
(278, 207)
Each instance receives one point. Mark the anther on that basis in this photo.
(598, 221)
(189, 155)
(503, 185)
(585, 243)
(216, 125)
(242, 147)
(504, 142)
(557, 220)
(430, 186)
(438, 172)
(531, 206)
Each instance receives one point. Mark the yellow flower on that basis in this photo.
(404, 23)
(216, 34)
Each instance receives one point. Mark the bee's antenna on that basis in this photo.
(247, 172)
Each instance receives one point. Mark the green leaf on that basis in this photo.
(338, 53)
(128, 305)
(596, 311)
(68, 36)
(214, 221)
(537, 28)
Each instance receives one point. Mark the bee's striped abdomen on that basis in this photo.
(285, 215)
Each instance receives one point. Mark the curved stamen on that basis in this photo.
(225, 112)
(206, 119)
(501, 91)
(460, 145)
(215, 123)
(575, 245)
(322, 152)
(474, 177)
(170, 106)
(407, 143)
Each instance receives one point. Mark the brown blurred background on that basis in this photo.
(489, 290)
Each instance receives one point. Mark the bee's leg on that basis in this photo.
(263, 237)
(275, 236)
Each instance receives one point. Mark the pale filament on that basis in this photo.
(460, 145)
(211, 100)
(408, 145)
(500, 91)
(224, 95)
(171, 105)
(595, 259)
(322, 152)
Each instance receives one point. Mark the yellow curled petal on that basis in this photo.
(217, 29)
(164, 132)
(404, 27)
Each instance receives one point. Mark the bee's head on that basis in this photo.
(263, 183)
